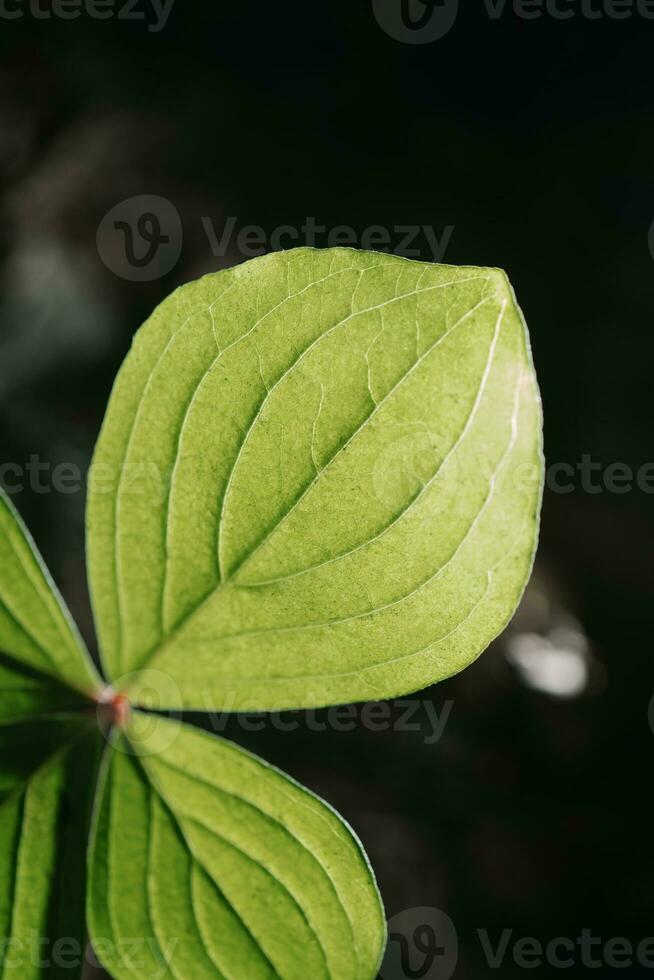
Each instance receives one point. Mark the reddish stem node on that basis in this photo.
(114, 709)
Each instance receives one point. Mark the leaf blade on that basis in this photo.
(373, 414)
(46, 784)
(277, 885)
(36, 630)
(26, 693)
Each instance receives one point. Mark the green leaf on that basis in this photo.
(26, 693)
(46, 785)
(318, 481)
(223, 867)
(38, 640)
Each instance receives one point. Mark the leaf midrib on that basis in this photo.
(424, 582)
(137, 414)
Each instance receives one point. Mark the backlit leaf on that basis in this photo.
(27, 693)
(46, 785)
(40, 648)
(224, 867)
(318, 481)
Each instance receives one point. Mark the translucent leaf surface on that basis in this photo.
(225, 867)
(38, 641)
(318, 481)
(47, 772)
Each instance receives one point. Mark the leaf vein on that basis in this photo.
(270, 818)
(307, 350)
(425, 582)
(418, 496)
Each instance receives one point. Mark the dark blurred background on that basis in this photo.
(522, 143)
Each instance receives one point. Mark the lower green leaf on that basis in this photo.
(206, 862)
(46, 784)
(27, 693)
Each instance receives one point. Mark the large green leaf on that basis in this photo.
(224, 867)
(318, 481)
(40, 648)
(46, 785)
